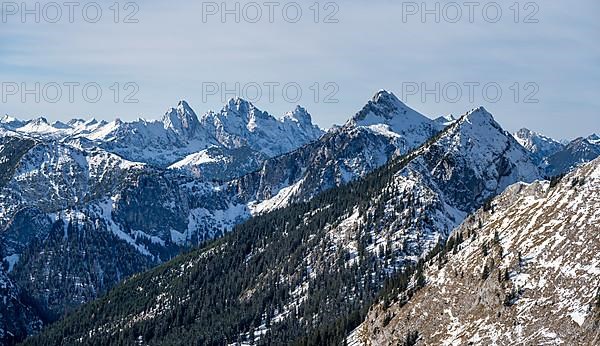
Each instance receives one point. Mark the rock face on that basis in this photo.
(17, 319)
(524, 268)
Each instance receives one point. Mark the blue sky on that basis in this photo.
(171, 53)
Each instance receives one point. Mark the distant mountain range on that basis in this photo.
(86, 204)
(556, 158)
(212, 145)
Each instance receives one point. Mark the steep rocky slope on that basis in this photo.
(523, 270)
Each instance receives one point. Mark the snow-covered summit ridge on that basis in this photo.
(539, 145)
(181, 132)
(594, 139)
(386, 115)
(386, 108)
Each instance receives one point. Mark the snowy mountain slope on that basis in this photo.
(594, 139)
(524, 269)
(539, 145)
(272, 278)
(484, 157)
(240, 123)
(556, 158)
(446, 120)
(221, 163)
(74, 223)
(577, 152)
(386, 114)
(58, 190)
(155, 142)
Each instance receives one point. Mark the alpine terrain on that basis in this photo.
(307, 273)
(238, 227)
(85, 204)
(523, 270)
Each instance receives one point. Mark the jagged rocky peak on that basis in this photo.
(580, 143)
(480, 113)
(10, 122)
(534, 141)
(480, 119)
(60, 125)
(76, 121)
(525, 133)
(300, 115)
(92, 121)
(239, 107)
(446, 120)
(6, 119)
(182, 120)
(576, 152)
(385, 96)
(386, 114)
(40, 120)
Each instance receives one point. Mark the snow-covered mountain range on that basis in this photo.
(238, 138)
(556, 158)
(92, 203)
(336, 247)
(539, 145)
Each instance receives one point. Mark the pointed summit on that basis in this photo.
(525, 133)
(385, 97)
(182, 120)
(11, 122)
(237, 106)
(7, 119)
(40, 121)
(386, 115)
(244, 110)
(537, 144)
(383, 94)
(60, 125)
(299, 122)
(480, 116)
(386, 108)
(446, 120)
